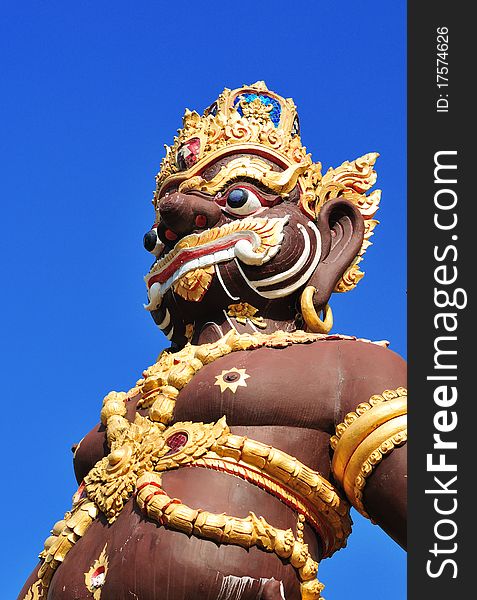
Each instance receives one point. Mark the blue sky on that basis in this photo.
(92, 91)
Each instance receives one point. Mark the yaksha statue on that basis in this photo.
(228, 471)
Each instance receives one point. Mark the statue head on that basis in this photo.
(247, 228)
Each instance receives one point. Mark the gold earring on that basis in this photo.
(311, 317)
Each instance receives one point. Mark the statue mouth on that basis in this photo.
(253, 240)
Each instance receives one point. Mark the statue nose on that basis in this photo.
(182, 214)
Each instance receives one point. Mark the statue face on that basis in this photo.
(223, 239)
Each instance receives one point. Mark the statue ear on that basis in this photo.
(342, 229)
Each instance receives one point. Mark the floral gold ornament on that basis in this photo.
(231, 379)
(34, 592)
(244, 312)
(193, 285)
(65, 535)
(112, 480)
(366, 435)
(256, 110)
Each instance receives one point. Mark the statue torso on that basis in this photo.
(289, 398)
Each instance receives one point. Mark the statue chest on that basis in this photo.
(287, 387)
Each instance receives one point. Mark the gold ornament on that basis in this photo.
(285, 477)
(349, 181)
(95, 577)
(69, 531)
(193, 285)
(189, 332)
(231, 379)
(250, 167)
(112, 480)
(240, 122)
(244, 312)
(34, 592)
(224, 529)
(256, 110)
(366, 435)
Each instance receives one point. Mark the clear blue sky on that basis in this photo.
(92, 91)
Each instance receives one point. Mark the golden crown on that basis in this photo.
(251, 116)
(252, 120)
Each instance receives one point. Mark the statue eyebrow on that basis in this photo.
(250, 169)
(233, 180)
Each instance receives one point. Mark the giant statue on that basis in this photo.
(228, 471)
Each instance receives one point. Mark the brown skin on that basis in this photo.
(294, 398)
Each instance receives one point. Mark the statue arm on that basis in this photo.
(95, 446)
(369, 459)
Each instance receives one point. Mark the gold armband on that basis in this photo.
(366, 435)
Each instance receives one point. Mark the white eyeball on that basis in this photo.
(242, 202)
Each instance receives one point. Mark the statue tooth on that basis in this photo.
(183, 270)
(223, 254)
(155, 297)
(168, 283)
(204, 261)
(170, 334)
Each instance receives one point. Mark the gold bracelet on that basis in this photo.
(364, 438)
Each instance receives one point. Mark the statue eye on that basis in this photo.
(242, 201)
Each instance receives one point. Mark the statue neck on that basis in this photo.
(213, 330)
(243, 318)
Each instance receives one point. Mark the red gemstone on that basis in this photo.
(188, 154)
(177, 441)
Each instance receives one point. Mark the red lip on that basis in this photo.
(188, 254)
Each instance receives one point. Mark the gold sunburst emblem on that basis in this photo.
(231, 379)
(96, 576)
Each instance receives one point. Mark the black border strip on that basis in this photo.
(441, 249)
